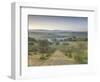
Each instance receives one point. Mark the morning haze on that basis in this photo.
(58, 22)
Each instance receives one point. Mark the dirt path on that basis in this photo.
(58, 58)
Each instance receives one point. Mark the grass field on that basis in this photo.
(65, 53)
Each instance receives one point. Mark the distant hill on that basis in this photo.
(44, 30)
(44, 34)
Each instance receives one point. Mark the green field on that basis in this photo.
(42, 52)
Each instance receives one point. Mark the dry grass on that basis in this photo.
(57, 58)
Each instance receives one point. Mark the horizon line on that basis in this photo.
(60, 30)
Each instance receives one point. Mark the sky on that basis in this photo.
(57, 23)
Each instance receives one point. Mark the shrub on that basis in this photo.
(29, 53)
(65, 43)
(57, 43)
(45, 49)
(42, 58)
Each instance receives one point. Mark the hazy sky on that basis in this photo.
(58, 23)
